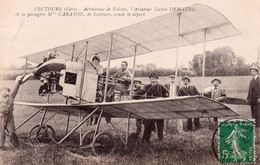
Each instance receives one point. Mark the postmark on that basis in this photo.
(236, 141)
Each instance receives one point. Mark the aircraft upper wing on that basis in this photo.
(161, 108)
(152, 35)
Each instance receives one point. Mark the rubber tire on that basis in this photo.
(37, 133)
(104, 150)
(87, 138)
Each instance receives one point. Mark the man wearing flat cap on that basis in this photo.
(137, 90)
(154, 90)
(189, 90)
(6, 113)
(137, 94)
(253, 97)
(216, 92)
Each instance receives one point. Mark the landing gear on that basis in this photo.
(87, 139)
(41, 134)
(103, 143)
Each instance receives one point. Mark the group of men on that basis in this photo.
(215, 92)
(153, 90)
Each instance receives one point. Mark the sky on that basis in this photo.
(21, 36)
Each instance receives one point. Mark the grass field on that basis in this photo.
(177, 148)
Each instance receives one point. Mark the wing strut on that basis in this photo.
(80, 124)
(80, 129)
(204, 59)
(108, 66)
(72, 54)
(133, 74)
(83, 73)
(25, 121)
(98, 123)
(127, 129)
(177, 49)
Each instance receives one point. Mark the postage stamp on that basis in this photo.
(237, 141)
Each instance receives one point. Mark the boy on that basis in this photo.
(6, 113)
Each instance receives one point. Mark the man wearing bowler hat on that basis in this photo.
(253, 98)
(216, 93)
(154, 90)
(189, 90)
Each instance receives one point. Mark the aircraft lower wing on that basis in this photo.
(160, 108)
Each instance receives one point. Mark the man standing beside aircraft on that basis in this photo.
(6, 113)
(123, 79)
(137, 94)
(154, 90)
(173, 92)
(253, 98)
(188, 90)
(216, 93)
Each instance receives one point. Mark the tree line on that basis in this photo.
(221, 61)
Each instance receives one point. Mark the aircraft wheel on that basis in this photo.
(104, 143)
(32, 135)
(41, 135)
(87, 139)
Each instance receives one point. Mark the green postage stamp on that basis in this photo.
(237, 141)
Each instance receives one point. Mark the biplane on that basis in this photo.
(71, 70)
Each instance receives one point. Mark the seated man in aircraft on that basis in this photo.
(215, 92)
(50, 83)
(123, 80)
(189, 90)
(154, 90)
(54, 81)
(44, 88)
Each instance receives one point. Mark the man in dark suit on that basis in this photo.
(154, 90)
(253, 97)
(137, 95)
(188, 90)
